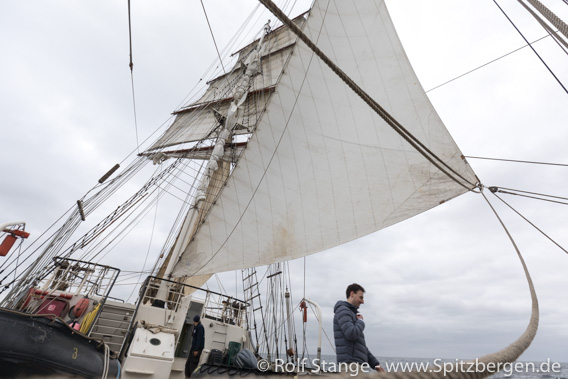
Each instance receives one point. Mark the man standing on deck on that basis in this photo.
(197, 344)
(348, 326)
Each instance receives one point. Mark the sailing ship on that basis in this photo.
(285, 160)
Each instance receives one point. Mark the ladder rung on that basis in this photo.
(256, 309)
(255, 296)
(254, 272)
(255, 284)
(276, 273)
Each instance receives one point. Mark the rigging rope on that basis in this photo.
(486, 64)
(500, 190)
(532, 48)
(561, 42)
(131, 65)
(148, 250)
(134, 111)
(550, 16)
(133, 223)
(54, 245)
(533, 225)
(518, 161)
(212, 36)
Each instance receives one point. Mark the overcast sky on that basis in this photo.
(446, 283)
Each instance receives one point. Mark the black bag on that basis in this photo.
(215, 358)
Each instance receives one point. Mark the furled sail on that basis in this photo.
(322, 168)
(195, 122)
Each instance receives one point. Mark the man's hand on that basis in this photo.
(195, 353)
(359, 316)
(379, 368)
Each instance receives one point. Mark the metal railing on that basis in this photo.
(81, 277)
(217, 306)
(66, 279)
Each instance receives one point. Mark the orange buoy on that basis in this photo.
(304, 308)
(81, 307)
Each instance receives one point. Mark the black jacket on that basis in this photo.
(198, 338)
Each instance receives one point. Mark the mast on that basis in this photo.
(217, 169)
(193, 219)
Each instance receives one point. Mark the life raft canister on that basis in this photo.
(81, 307)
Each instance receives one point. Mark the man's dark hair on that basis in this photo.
(353, 287)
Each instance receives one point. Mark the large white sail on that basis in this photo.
(322, 168)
